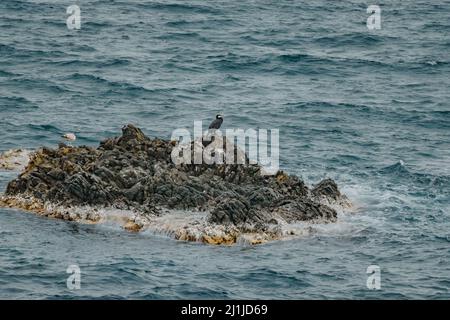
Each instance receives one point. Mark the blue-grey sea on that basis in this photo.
(368, 108)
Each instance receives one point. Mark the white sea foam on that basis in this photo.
(178, 224)
(14, 159)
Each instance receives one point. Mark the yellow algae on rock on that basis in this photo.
(132, 226)
(218, 239)
(22, 203)
(185, 235)
(282, 177)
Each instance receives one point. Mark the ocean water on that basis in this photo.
(370, 109)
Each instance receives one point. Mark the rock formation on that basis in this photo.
(135, 173)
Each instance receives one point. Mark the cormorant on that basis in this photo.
(216, 123)
(213, 126)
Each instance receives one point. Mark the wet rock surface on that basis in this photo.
(134, 172)
(14, 159)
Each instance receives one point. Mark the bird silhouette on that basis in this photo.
(216, 123)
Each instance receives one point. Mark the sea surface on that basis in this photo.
(370, 109)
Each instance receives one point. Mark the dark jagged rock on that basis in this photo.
(327, 188)
(136, 172)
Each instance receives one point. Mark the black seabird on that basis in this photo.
(216, 123)
(213, 126)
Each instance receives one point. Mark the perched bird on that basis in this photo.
(70, 137)
(213, 126)
(216, 123)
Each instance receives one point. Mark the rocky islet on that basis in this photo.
(134, 173)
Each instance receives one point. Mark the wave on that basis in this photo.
(436, 26)
(277, 278)
(108, 83)
(404, 175)
(115, 62)
(440, 112)
(4, 73)
(300, 57)
(24, 52)
(28, 84)
(445, 239)
(434, 63)
(318, 105)
(112, 87)
(232, 61)
(17, 103)
(208, 23)
(354, 39)
(92, 78)
(44, 127)
(303, 63)
(82, 48)
(325, 65)
(179, 7)
(180, 35)
(97, 25)
(437, 119)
